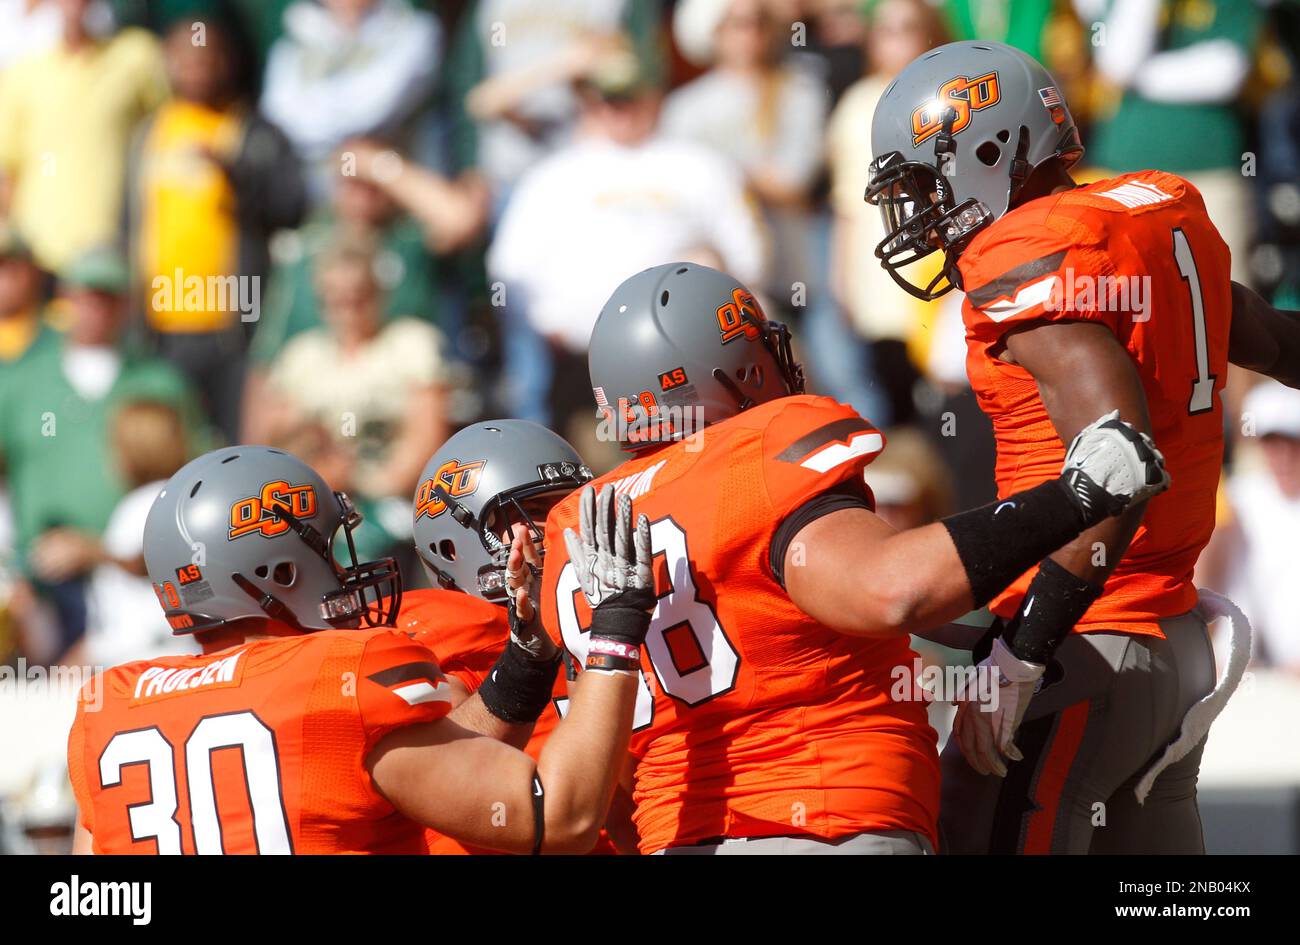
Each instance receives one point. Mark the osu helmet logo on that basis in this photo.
(963, 95)
(257, 513)
(740, 316)
(459, 479)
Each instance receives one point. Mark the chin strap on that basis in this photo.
(944, 145)
(271, 605)
(1020, 168)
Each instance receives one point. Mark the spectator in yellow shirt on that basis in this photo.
(211, 181)
(67, 116)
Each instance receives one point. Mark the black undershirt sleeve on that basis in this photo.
(847, 495)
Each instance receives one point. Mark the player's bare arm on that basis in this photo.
(851, 571)
(1078, 367)
(483, 792)
(1264, 339)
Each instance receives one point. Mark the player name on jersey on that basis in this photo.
(160, 680)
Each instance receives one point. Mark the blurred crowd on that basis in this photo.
(349, 227)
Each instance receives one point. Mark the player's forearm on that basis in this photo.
(619, 827)
(580, 763)
(474, 715)
(1094, 554)
(1066, 585)
(1264, 339)
(899, 583)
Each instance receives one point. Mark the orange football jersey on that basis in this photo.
(753, 719)
(259, 748)
(1138, 254)
(466, 635)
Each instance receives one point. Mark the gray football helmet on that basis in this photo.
(249, 531)
(953, 139)
(682, 346)
(475, 487)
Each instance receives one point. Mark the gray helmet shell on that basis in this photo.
(682, 346)
(248, 531)
(953, 139)
(482, 473)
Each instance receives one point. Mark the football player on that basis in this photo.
(773, 717)
(485, 484)
(1110, 296)
(307, 726)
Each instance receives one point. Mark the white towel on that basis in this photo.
(1200, 716)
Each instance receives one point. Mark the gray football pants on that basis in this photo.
(879, 843)
(1109, 704)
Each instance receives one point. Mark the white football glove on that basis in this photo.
(988, 716)
(609, 555)
(1110, 466)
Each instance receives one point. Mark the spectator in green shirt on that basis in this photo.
(1176, 68)
(425, 226)
(1019, 23)
(56, 404)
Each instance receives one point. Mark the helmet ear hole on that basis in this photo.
(447, 549)
(1004, 136)
(284, 574)
(262, 571)
(988, 153)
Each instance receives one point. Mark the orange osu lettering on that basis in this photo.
(257, 513)
(458, 479)
(962, 94)
(739, 317)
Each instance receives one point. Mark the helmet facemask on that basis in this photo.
(370, 592)
(507, 509)
(920, 216)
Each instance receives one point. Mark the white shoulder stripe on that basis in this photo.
(828, 457)
(418, 692)
(1036, 293)
(1136, 194)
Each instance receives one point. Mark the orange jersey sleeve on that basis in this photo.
(399, 683)
(811, 445)
(1044, 265)
(1139, 254)
(258, 749)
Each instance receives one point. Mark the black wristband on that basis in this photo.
(518, 689)
(624, 617)
(1055, 601)
(1000, 541)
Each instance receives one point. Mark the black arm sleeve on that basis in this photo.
(847, 495)
(1055, 601)
(1000, 541)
